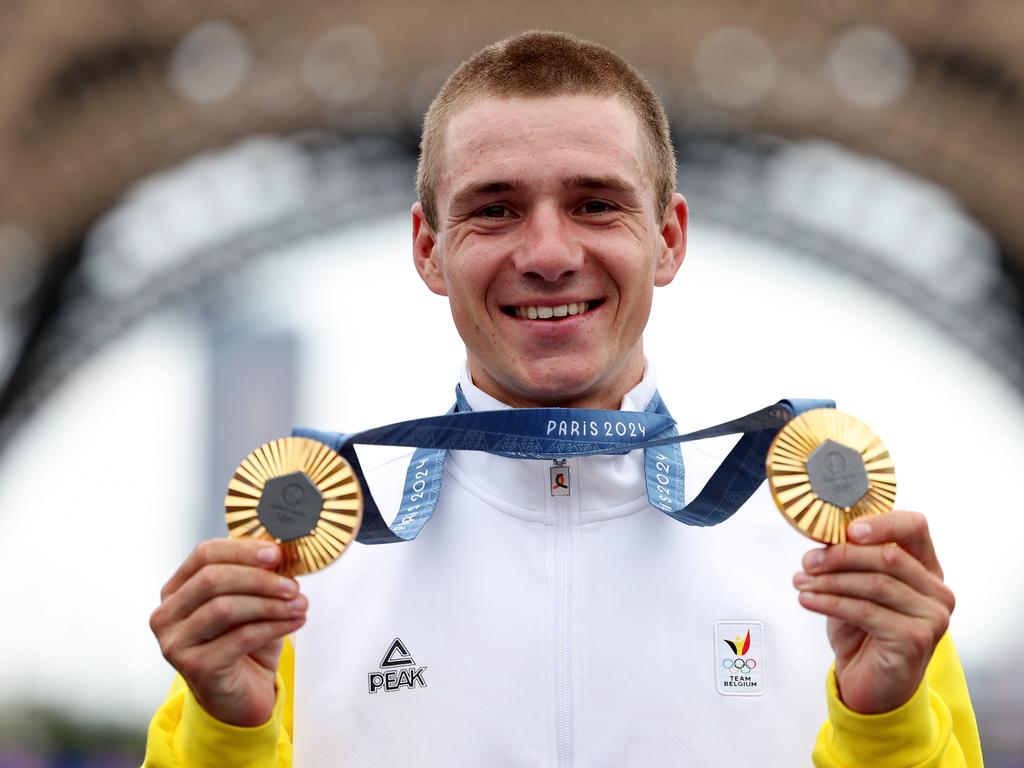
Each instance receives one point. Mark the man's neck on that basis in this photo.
(633, 398)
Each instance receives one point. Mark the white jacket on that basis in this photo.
(540, 630)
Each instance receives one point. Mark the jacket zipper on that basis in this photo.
(564, 694)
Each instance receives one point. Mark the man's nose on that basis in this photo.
(548, 251)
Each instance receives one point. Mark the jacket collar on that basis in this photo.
(605, 487)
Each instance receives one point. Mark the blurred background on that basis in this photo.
(204, 239)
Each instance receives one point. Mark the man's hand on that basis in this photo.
(886, 604)
(221, 622)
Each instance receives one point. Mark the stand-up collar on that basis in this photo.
(609, 486)
(636, 399)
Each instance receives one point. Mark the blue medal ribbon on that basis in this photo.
(559, 433)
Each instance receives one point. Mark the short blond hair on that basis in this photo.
(540, 63)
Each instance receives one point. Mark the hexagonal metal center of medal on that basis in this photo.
(837, 474)
(290, 506)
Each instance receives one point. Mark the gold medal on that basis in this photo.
(300, 494)
(826, 468)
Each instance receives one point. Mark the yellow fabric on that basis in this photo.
(183, 735)
(935, 729)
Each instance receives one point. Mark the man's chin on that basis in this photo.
(573, 381)
(565, 389)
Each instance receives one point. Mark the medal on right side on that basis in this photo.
(826, 468)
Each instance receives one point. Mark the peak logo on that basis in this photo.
(398, 670)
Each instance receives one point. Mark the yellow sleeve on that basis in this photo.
(935, 729)
(183, 735)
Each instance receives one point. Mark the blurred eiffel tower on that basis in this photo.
(97, 95)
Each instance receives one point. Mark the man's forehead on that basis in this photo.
(496, 133)
(480, 107)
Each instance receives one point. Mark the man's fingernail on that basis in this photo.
(860, 530)
(267, 555)
(802, 580)
(815, 558)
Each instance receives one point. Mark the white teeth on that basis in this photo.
(532, 312)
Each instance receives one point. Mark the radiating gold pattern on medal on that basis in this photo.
(338, 518)
(791, 483)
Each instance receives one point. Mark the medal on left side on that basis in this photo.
(299, 494)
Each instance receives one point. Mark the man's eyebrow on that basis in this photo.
(613, 183)
(472, 191)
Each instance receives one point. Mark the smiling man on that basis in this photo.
(548, 615)
(551, 241)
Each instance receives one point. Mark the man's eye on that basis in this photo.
(595, 206)
(493, 211)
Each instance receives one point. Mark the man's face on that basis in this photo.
(549, 247)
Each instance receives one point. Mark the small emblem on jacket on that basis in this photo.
(399, 670)
(560, 480)
(739, 658)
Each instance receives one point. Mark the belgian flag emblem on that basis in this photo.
(739, 645)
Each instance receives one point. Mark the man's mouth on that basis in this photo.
(536, 312)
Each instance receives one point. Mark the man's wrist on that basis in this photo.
(907, 735)
(202, 739)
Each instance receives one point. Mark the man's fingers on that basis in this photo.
(907, 529)
(251, 552)
(879, 588)
(884, 559)
(226, 650)
(879, 621)
(246, 639)
(215, 580)
(223, 614)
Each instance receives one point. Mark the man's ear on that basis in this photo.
(425, 253)
(673, 240)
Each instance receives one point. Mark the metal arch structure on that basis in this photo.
(89, 103)
(354, 183)
(87, 110)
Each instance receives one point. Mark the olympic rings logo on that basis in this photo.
(743, 666)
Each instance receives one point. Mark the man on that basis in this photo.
(526, 626)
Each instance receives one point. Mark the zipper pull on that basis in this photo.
(560, 485)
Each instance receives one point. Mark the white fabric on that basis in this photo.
(560, 631)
